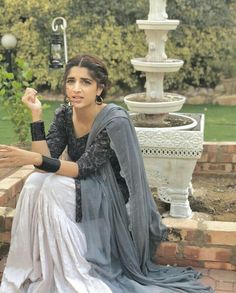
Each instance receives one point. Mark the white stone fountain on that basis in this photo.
(171, 143)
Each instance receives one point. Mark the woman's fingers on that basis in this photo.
(29, 95)
(7, 162)
(7, 148)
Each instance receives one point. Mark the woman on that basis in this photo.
(88, 224)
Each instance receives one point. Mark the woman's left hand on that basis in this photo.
(15, 157)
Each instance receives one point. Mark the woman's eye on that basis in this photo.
(86, 82)
(70, 81)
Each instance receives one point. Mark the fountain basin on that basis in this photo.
(169, 103)
(171, 121)
(168, 65)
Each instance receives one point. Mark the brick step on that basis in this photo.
(199, 243)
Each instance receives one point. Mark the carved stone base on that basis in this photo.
(170, 158)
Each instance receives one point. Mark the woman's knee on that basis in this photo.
(36, 179)
(60, 190)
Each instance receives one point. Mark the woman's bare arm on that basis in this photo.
(12, 156)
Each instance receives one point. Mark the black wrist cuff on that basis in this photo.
(37, 131)
(49, 164)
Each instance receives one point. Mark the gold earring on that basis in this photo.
(99, 100)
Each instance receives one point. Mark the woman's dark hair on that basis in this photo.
(96, 68)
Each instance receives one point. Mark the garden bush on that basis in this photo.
(11, 90)
(107, 28)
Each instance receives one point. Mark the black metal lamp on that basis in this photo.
(58, 45)
(56, 51)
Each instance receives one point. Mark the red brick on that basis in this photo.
(211, 148)
(230, 148)
(192, 236)
(3, 199)
(212, 254)
(204, 157)
(11, 185)
(234, 158)
(8, 223)
(5, 237)
(167, 249)
(234, 168)
(219, 266)
(225, 168)
(212, 157)
(221, 237)
(224, 158)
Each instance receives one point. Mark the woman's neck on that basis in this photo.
(87, 115)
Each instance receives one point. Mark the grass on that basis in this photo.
(220, 122)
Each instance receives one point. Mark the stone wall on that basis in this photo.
(223, 94)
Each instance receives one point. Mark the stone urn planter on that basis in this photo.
(170, 157)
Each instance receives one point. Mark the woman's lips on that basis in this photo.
(76, 99)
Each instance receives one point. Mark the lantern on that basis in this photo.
(56, 51)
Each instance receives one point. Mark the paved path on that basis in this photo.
(220, 280)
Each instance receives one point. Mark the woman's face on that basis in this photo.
(81, 88)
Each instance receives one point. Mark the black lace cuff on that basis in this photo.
(37, 131)
(49, 165)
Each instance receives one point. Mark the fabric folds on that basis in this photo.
(119, 246)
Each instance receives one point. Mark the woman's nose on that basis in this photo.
(77, 87)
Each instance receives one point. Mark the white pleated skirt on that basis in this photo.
(47, 245)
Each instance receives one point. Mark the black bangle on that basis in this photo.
(37, 131)
(49, 164)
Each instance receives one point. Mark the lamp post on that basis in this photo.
(9, 42)
(57, 45)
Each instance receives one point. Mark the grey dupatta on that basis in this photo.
(119, 246)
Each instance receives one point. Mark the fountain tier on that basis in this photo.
(168, 65)
(140, 103)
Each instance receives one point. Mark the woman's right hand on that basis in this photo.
(31, 101)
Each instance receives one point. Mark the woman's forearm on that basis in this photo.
(39, 146)
(11, 157)
(69, 169)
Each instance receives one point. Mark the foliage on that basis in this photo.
(116, 51)
(201, 52)
(11, 91)
(205, 40)
(107, 28)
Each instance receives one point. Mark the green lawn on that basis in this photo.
(220, 122)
